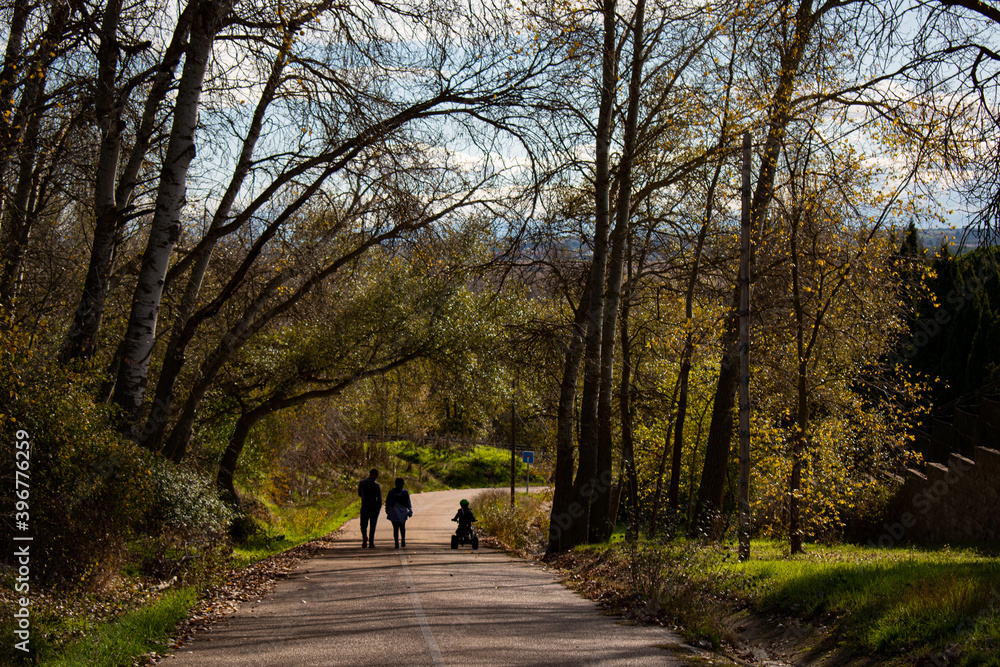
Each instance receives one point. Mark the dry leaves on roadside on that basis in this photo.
(249, 584)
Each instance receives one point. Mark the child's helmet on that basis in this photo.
(464, 502)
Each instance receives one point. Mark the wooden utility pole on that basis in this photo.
(743, 491)
(513, 435)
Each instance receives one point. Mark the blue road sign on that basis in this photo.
(527, 457)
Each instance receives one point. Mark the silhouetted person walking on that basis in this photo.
(371, 503)
(398, 509)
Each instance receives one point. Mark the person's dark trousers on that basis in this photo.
(368, 520)
(399, 532)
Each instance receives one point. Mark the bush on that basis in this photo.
(90, 490)
(517, 528)
(188, 503)
(688, 581)
(244, 527)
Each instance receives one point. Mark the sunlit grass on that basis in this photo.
(135, 633)
(885, 601)
(478, 467)
(296, 524)
(515, 527)
(891, 604)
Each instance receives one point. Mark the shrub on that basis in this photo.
(90, 489)
(845, 481)
(188, 503)
(686, 580)
(243, 527)
(517, 528)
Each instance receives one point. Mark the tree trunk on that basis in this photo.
(20, 217)
(224, 481)
(625, 408)
(561, 518)
(600, 527)
(601, 522)
(113, 193)
(710, 493)
(19, 214)
(247, 420)
(586, 484)
(743, 492)
(802, 406)
(12, 61)
(673, 495)
(176, 446)
(254, 318)
(713, 478)
(182, 334)
(137, 347)
(658, 490)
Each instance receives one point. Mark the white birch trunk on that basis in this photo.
(137, 345)
(113, 191)
(152, 432)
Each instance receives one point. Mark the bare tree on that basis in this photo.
(116, 89)
(671, 51)
(135, 352)
(380, 123)
(23, 166)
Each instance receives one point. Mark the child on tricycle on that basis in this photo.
(464, 534)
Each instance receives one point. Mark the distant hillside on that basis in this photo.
(934, 237)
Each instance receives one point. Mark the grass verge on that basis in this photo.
(136, 633)
(898, 606)
(131, 617)
(517, 529)
(940, 604)
(291, 525)
(462, 469)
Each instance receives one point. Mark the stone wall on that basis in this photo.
(956, 497)
(957, 503)
(961, 433)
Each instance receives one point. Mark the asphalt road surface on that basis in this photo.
(423, 605)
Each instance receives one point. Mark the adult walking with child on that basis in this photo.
(398, 509)
(371, 503)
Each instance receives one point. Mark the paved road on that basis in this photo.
(423, 605)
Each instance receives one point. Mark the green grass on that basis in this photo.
(886, 601)
(684, 581)
(479, 467)
(296, 524)
(893, 605)
(82, 639)
(117, 643)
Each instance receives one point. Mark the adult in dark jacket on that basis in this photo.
(398, 509)
(371, 504)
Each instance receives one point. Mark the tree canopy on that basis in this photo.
(504, 216)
